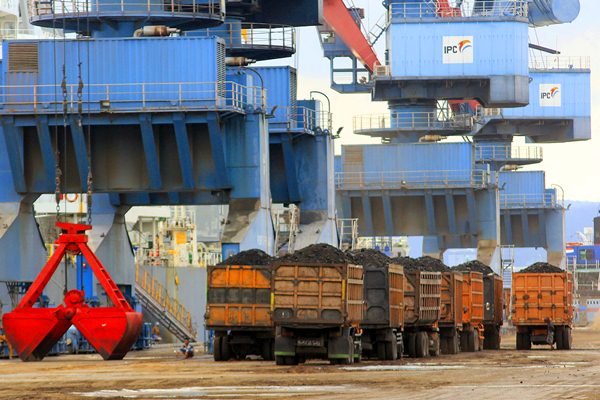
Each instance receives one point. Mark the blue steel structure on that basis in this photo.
(152, 104)
(464, 70)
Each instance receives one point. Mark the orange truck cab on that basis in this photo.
(238, 311)
(542, 309)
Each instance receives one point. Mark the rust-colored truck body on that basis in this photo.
(451, 313)
(317, 310)
(238, 311)
(383, 320)
(473, 300)
(542, 309)
(317, 295)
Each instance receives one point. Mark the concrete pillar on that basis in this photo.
(555, 237)
(488, 235)
(249, 223)
(316, 185)
(431, 247)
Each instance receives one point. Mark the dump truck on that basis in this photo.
(451, 312)
(472, 334)
(238, 311)
(384, 312)
(542, 309)
(422, 298)
(493, 313)
(317, 309)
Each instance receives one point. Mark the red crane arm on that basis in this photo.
(339, 18)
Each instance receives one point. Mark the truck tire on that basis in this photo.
(279, 360)
(422, 344)
(444, 345)
(267, 350)
(464, 341)
(558, 337)
(291, 360)
(225, 349)
(455, 344)
(411, 345)
(492, 338)
(391, 350)
(217, 348)
(381, 351)
(567, 338)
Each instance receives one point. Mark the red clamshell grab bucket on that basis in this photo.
(110, 330)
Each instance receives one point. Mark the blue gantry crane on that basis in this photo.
(462, 68)
(156, 103)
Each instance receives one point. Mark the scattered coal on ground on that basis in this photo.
(320, 253)
(425, 263)
(474, 266)
(541, 268)
(368, 258)
(248, 257)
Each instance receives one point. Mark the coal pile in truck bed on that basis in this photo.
(248, 257)
(368, 258)
(320, 253)
(425, 263)
(474, 266)
(541, 268)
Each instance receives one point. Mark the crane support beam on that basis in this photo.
(339, 18)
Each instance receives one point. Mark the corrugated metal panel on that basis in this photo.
(279, 82)
(181, 68)
(523, 183)
(499, 48)
(418, 157)
(575, 96)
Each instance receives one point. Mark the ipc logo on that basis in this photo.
(552, 93)
(458, 49)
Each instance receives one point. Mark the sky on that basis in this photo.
(573, 166)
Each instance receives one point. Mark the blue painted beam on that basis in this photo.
(541, 235)
(525, 227)
(150, 153)
(80, 148)
(451, 211)
(472, 210)
(289, 161)
(507, 222)
(430, 214)
(387, 214)
(367, 216)
(48, 152)
(217, 150)
(346, 205)
(13, 142)
(183, 150)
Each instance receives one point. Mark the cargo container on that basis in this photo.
(471, 337)
(422, 298)
(238, 311)
(383, 320)
(493, 313)
(451, 312)
(317, 310)
(542, 309)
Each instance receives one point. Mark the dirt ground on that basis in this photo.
(157, 374)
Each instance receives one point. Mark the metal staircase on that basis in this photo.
(168, 312)
(287, 228)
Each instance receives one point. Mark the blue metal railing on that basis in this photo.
(530, 200)
(412, 179)
(131, 97)
(442, 11)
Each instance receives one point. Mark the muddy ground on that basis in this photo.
(157, 374)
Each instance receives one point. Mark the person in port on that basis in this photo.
(156, 338)
(187, 350)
